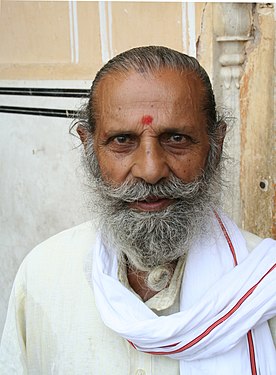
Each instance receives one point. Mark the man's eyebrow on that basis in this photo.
(177, 128)
(113, 133)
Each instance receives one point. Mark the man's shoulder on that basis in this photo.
(252, 240)
(61, 252)
(75, 239)
(51, 282)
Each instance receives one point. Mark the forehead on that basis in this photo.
(174, 91)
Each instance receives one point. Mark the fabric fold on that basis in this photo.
(219, 303)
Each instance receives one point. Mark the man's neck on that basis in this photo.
(138, 282)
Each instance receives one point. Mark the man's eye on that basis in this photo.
(177, 138)
(120, 139)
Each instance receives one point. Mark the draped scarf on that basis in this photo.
(226, 298)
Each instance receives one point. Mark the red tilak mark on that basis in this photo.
(147, 120)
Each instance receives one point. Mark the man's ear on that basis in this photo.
(220, 138)
(222, 133)
(83, 133)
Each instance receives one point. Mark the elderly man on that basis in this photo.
(165, 283)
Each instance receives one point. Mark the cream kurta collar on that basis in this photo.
(166, 299)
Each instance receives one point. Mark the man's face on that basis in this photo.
(152, 194)
(150, 127)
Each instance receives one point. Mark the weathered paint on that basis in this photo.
(70, 40)
(257, 129)
(74, 36)
(104, 32)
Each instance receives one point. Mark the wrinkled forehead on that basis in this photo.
(121, 90)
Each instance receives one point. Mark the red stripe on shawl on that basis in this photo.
(252, 353)
(249, 334)
(131, 343)
(231, 247)
(219, 321)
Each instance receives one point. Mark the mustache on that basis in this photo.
(139, 190)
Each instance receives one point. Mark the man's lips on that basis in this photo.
(151, 204)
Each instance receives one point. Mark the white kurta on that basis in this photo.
(53, 326)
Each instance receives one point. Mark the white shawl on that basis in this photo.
(227, 296)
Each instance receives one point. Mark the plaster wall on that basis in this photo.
(41, 189)
(236, 44)
(71, 39)
(258, 161)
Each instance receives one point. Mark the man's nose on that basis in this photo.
(150, 163)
